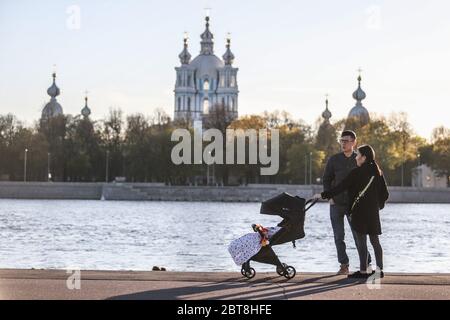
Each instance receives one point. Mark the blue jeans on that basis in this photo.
(337, 213)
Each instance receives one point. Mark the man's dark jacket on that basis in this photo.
(338, 167)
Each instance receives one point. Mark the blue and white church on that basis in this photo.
(206, 82)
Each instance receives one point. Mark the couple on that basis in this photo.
(356, 188)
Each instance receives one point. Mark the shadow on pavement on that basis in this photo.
(277, 289)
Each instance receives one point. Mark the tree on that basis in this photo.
(137, 148)
(82, 148)
(111, 136)
(326, 139)
(441, 151)
(219, 118)
(54, 130)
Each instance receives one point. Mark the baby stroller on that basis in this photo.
(292, 209)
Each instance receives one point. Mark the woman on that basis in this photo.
(367, 193)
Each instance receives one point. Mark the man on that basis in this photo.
(337, 168)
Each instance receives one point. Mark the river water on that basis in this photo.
(193, 236)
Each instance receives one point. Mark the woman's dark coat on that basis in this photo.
(365, 217)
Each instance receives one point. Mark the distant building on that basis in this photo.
(53, 108)
(326, 139)
(326, 115)
(206, 81)
(86, 112)
(359, 113)
(425, 177)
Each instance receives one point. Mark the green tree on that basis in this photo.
(440, 161)
(112, 142)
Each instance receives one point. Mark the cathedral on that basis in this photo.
(52, 108)
(206, 82)
(359, 113)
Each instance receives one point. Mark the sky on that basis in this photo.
(289, 54)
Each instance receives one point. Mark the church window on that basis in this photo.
(206, 106)
(206, 85)
(233, 81)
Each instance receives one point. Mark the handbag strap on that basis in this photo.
(362, 193)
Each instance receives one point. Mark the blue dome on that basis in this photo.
(52, 109)
(206, 66)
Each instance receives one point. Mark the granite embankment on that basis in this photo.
(161, 192)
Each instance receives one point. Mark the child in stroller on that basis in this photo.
(257, 246)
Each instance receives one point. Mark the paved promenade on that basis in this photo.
(54, 284)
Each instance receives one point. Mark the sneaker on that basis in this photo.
(343, 269)
(358, 275)
(369, 269)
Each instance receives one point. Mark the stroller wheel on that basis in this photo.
(289, 272)
(245, 266)
(250, 273)
(280, 270)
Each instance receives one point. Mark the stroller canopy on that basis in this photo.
(283, 205)
(292, 210)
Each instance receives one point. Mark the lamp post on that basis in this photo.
(107, 167)
(207, 168)
(306, 169)
(25, 166)
(403, 164)
(214, 174)
(310, 168)
(419, 171)
(49, 176)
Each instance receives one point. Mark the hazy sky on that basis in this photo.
(289, 54)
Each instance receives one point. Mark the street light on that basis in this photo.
(107, 166)
(306, 169)
(310, 168)
(25, 166)
(403, 169)
(49, 175)
(207, 169)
